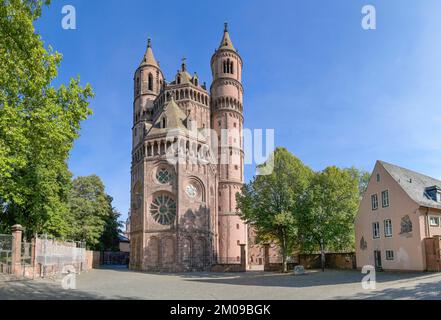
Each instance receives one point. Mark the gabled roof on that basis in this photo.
(175, 119)
(414, 184)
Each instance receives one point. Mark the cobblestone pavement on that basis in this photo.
(124, 284)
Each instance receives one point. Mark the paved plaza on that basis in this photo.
(124, 284)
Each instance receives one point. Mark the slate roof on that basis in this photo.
(122, 238)
(414, 184)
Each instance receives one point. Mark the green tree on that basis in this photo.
(89, 208)
(38, 124)
(330, 205)
(270, 202)
(362, 177)
(109, 240)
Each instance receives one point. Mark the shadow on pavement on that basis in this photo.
(422, 291)
(43, 290)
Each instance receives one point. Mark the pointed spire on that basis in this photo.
(226, 41)
(184, 64)
(149, 58)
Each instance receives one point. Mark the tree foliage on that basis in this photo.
(38, 124)
(89, 209)
(109, 240)
(327, 221)
(270, 202)
(362, 177)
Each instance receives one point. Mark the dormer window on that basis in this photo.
(164, 122)
(178, 79)
(434, 193)
(196, 81)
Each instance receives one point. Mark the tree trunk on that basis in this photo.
(322, 255)
(285, 264)
(284, 254)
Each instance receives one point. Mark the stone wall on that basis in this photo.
(333, 261)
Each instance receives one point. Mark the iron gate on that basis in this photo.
(5, 253)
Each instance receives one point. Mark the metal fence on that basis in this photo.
(115, 258)
(55, 255)
(5, 253)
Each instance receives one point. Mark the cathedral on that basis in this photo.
(187, 165)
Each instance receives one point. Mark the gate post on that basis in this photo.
(17, 233)
(243, 258)
(266, 257)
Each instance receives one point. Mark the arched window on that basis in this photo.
(225, 66)
(178, 79)
(228, 66)
(150, 82)
(137, 85)
(231, 67)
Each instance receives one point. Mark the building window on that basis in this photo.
(163, 176)
(388, 228)
(385, 198)
(374, 201)
(237, 226)
(389, 254)
(150, 82)
(163, 209)
(434, 221)
(376, 230)
(378, 177)
(191, 191)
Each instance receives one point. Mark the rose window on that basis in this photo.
(191, 191)
(163, 210)
(163, 176)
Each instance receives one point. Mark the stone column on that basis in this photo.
(266, 257)
(243, 258)
(17, 233)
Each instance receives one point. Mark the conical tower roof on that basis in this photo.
(226, 41)
(149, 58)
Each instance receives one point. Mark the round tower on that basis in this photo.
(148, 83)
(227, 121)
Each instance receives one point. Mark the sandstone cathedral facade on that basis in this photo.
(187, 165)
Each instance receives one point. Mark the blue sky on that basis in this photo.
(334, 93)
